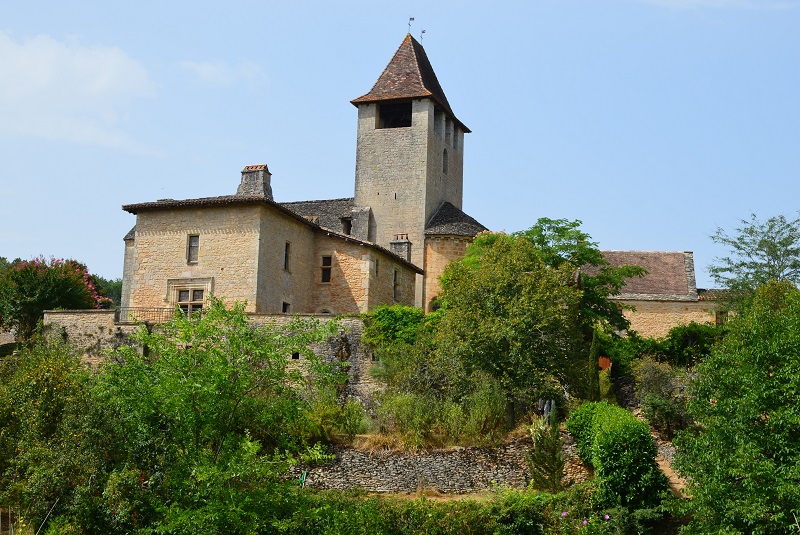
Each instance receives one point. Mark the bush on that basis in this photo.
(545, 461)
(659, 390)
(622, 451)
(686, 345)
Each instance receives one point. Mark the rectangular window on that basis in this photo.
(286, 254)
(286, 307)
(396, 285)
(193, 249)
(394, 115)
(327, 264)
(190, 300)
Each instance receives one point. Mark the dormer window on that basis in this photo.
(394, 115)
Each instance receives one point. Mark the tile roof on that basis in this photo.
(409, 74)
(670, 275)
(450, 220)
(230, 200)
(328, 213)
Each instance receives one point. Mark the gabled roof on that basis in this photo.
(449, 220)
(409, 74)
(329, 212)
(243, 200)
(670, 275)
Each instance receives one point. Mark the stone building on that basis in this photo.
(387, 244)
(667, 296)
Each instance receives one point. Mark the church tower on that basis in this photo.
(409, 156)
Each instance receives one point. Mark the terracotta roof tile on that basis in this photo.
(670, 275)
(409, 74)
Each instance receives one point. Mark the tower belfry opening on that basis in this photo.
(394, 115)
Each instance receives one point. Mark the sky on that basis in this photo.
(654, 122)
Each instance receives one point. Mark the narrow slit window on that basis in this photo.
(287, 252)
(193, 249)
(396, 285)
(445, 162)
(326, 266)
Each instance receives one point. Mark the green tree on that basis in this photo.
(759, 251)
(743, 457)
(29, 288)
(191, 432)
(111, 288)
(511, 316)
(561, 242)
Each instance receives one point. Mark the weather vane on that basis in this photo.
(410, 20)
(421, 34)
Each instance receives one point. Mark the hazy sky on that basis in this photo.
(652, 121)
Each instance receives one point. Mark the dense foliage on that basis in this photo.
(191, 435)
(743, 457)
(561, 242)
(27, 289)
(512, 317)
(620, 448)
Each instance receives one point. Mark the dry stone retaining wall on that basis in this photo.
(456, 471)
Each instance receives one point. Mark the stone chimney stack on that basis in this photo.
(256, 181)
(401, 246)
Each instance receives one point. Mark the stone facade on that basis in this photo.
(252, 249)
(440, 251)
(655, 318)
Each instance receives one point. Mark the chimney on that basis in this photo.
(256, 181)
(401, 246)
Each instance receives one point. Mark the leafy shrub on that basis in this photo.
(411, 415)
(622, 451)
(659, 390)
(686, 345)
(580, 424)
(353, 419)
(392, 324)
(486, 416)
(545, 461)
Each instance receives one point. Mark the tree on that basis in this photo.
(111, 288)
(29, 288)
(511, 316)
(561, 242)
(191, 432)
(743, 457)
(760, 251)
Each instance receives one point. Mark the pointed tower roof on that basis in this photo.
(409, 75)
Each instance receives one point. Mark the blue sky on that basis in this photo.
(652, 121)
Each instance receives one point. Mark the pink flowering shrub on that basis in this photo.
(31, 287)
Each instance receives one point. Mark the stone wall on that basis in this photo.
(7, 337)
(656, 318)
(227, 258)
(439, 251)
(457, 470)
(92, 331)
